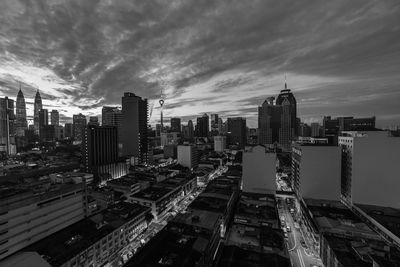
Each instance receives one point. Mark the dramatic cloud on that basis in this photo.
(341, 57)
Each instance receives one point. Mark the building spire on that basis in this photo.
(285, 81)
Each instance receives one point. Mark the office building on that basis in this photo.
(214, 124)
(288, 117)
(48, 133)
(7, 118)
(176, 125)
(21, 123)
(43, 122)
(100, 153)
(59, 132)
(259, 170)
(93, 121)
(68, 130)
(315, 129)
(187, 156)
(369, 164)
(170, 138)
(54, 117)
(268, 122)
(112, 116)
(304, 130)
(202, 126)
(28, 215)
(79, 125)
(316, 170)
(237, 132)
(219, 143)
(134, 130)
(188, 131)
(170, 151)
(37, 107)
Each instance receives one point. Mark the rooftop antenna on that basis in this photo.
(285, 81)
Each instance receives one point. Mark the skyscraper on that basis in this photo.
(68, 130)
(176, 125)
(202, 126)
(93, 121)
(79, 124)
(214, 124)
(43, 122)
(268, 122)
(288, 127)
(134, 127)
(20, 119)
(237, 132)
(112, 116)
(7, 117)
(37, 107)
(54, 117)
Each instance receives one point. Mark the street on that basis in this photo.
(298, 245)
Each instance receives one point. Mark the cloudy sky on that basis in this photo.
(341, 57)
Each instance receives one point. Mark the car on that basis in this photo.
(303, 244)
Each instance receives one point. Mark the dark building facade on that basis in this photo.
(214, 124)
(134, 127)
(202, 126)
(79, 124)
(100, 151)
(68, 130)
(37, 107)
(237, 132)
(43, 122)
(54, 117)
(278, 122)
(175, 125)
(7, 118)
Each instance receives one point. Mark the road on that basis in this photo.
(298, 246)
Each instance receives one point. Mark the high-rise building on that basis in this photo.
(68, 130)
(202, 126)
(187, 156)
(37, 107)
(100, 152)
(259, 171)
(316, 171)
(219, 143)
(288, 123)
(315, 129)
(79, 124)
(54, 117)
(268, 122)
(134, 127)
(7, 117)
(20, 117)
(43, 122)
(93, 121)
(214, 124)
(369, 164)
(112, 116)
(176, 125)
(304, 130)
(237, 132)
(190, 130)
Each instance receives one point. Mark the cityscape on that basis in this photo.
(181, 134)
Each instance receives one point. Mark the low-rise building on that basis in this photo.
(95, 240)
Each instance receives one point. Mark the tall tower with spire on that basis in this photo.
(162, 101)
(20, 117)
(37, 107)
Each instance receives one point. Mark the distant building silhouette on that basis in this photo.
(79, 124)
(237, 132)
(20, 117)
(202, 126)
(37, 107)
(134, 127)
(54, 117)
(176, 125)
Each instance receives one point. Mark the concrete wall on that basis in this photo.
(259, 171)
(376, 162)
(320, 170)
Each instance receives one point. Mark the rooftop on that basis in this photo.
(256, 209)
(153, 193)
(233, 256)
(386, 216)
(69, 242)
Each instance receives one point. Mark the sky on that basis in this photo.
(341, 58)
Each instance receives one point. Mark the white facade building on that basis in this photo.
(219, 143)
(187, 156)
(259, 170)
(26, 218)
(370, 162)
(316, 171)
